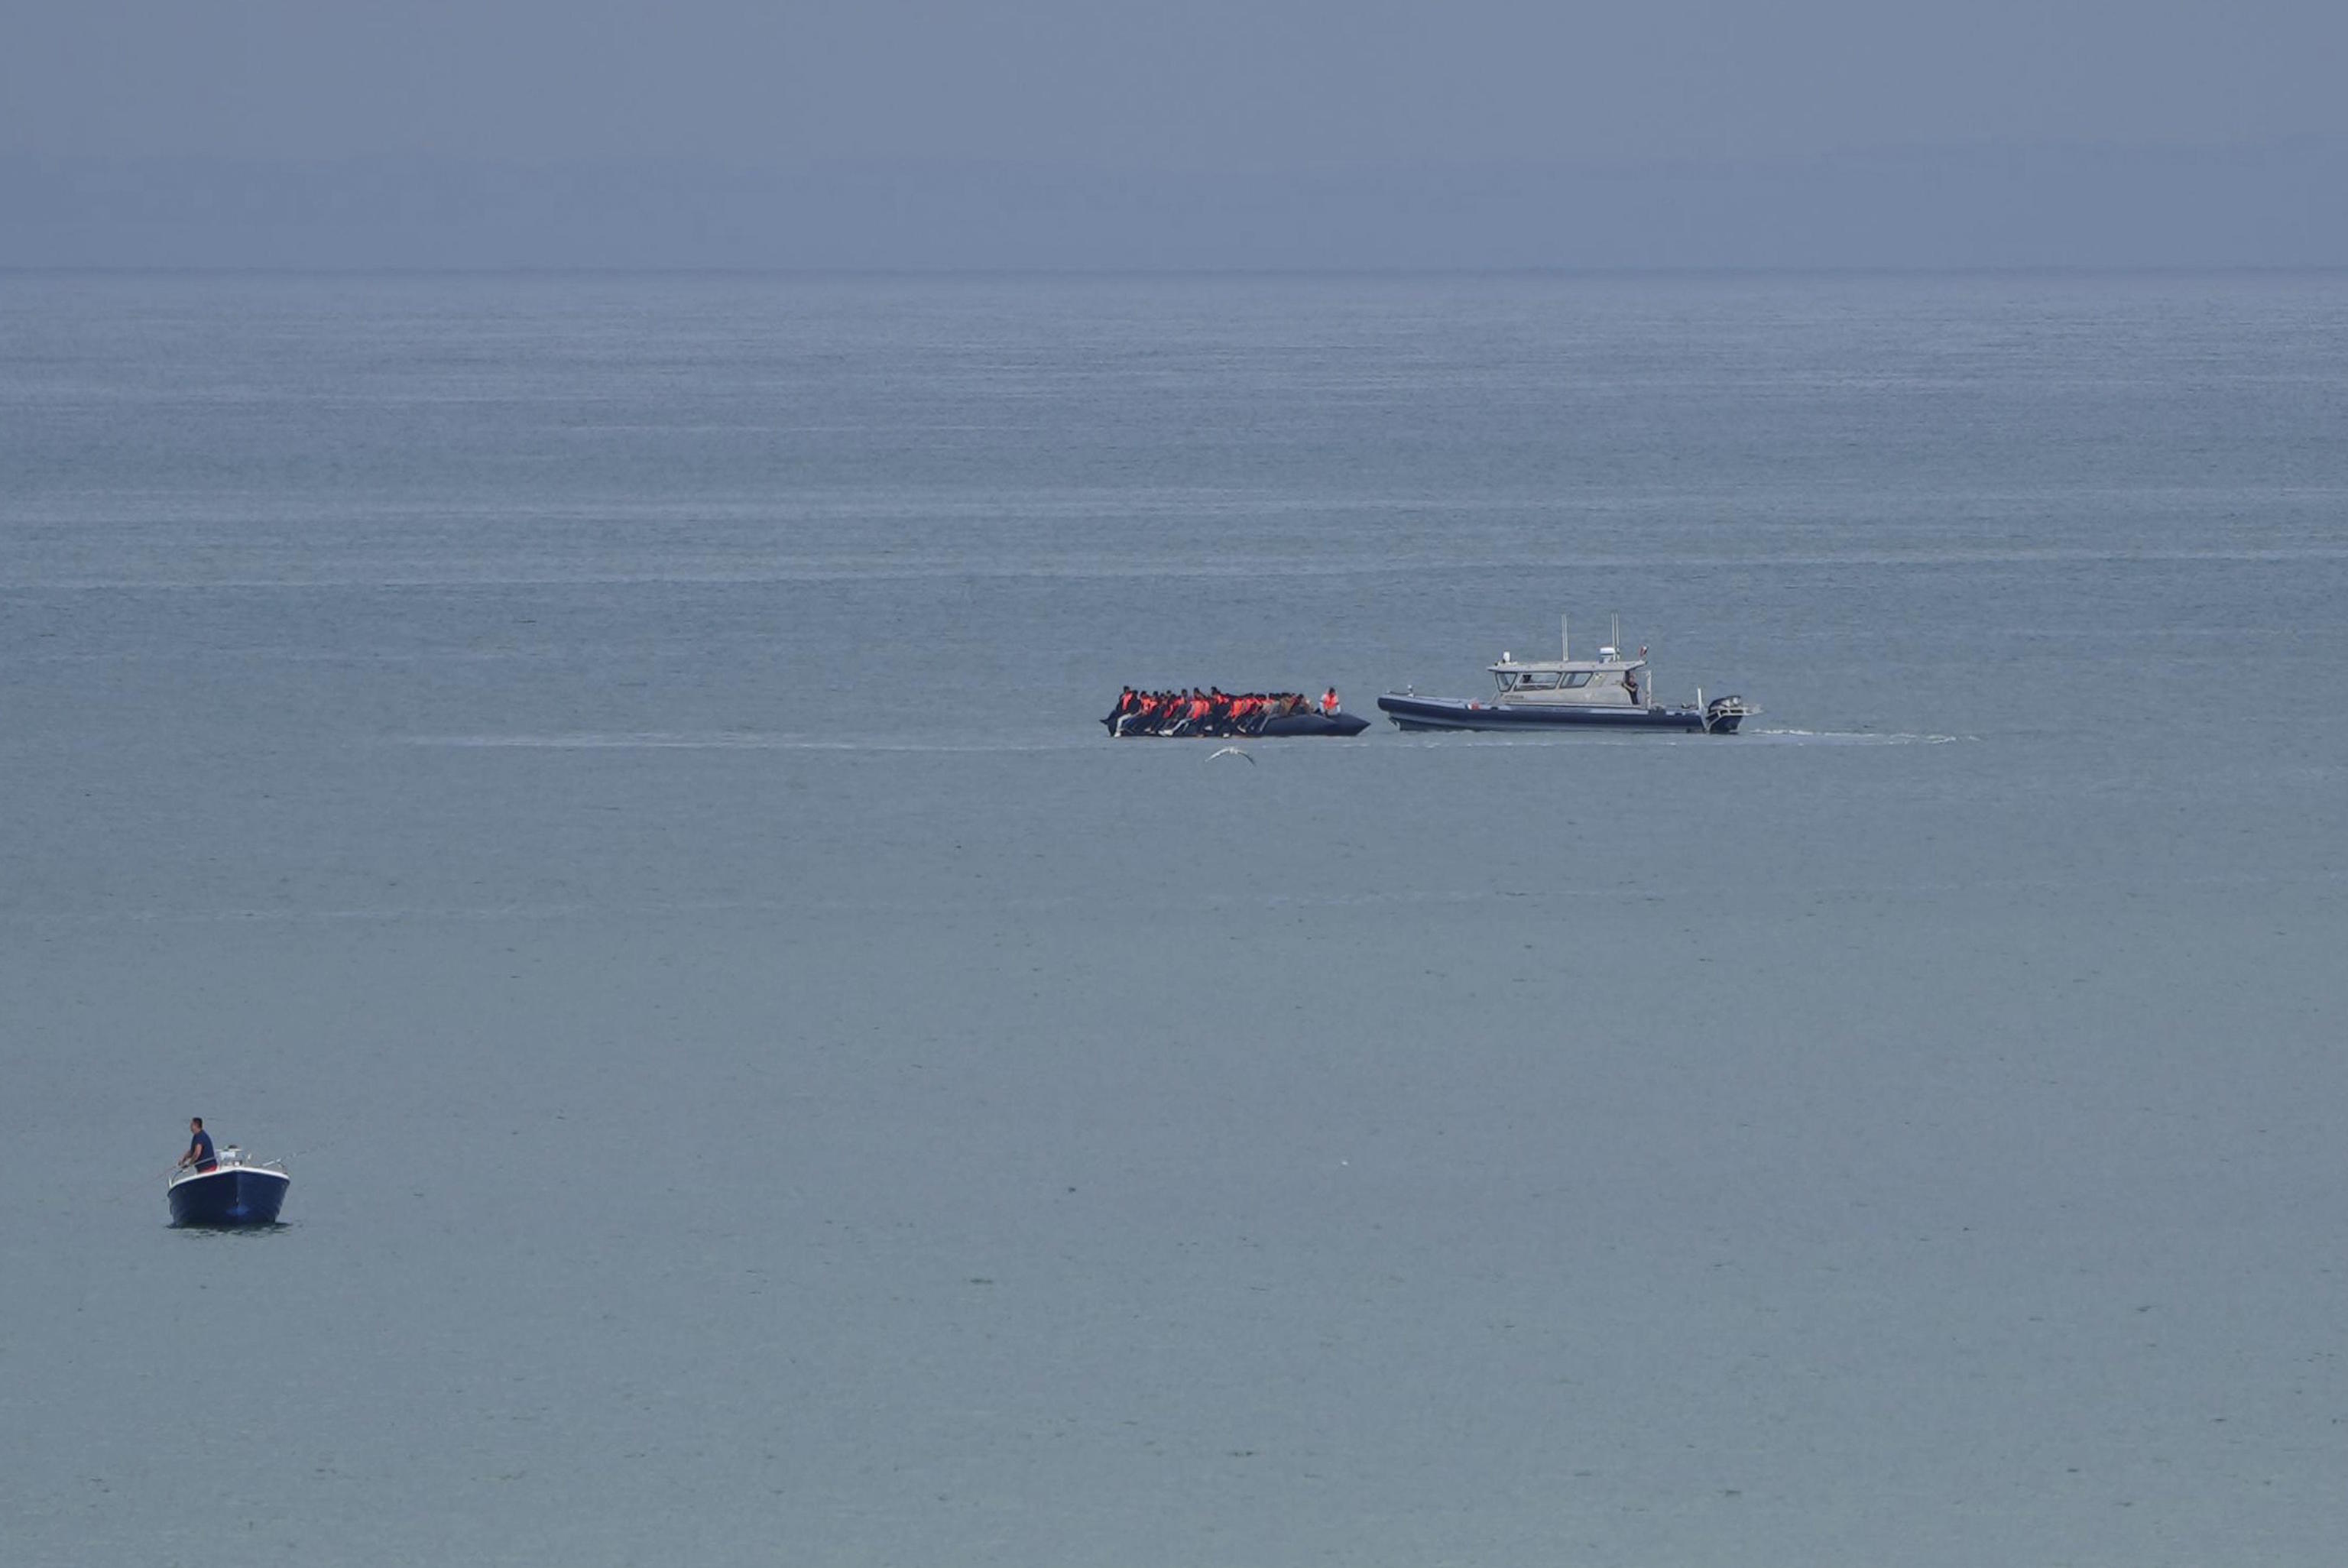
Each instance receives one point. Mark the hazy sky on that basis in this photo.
(1170, 85)
(1179, 133)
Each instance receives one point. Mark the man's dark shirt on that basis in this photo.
(201, 1146)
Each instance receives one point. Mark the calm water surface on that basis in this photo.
(600, 772)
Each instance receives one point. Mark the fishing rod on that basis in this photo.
(144, 1183)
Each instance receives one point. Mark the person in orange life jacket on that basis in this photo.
(1329, 701)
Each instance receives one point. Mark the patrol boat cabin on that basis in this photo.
(1609, 691)
(1609, 681)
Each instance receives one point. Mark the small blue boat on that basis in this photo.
(231, 1192)
(1608, 692)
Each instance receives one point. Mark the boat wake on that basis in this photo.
(1852, 738)
(761, 741)
(1452, 742)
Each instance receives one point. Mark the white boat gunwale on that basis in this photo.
(231, 1161)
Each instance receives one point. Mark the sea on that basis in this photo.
(600, 773)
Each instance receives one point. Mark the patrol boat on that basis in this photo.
(1608, 692)
(233, 1192)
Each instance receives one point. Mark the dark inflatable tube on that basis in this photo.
(1316, 724)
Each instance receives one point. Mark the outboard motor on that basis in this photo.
(1722, 714)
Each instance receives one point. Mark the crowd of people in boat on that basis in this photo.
(1213, 711)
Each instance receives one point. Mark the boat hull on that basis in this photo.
(243, 1195)
(1412, 713)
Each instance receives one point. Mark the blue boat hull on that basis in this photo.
(244, 1197)
(1453, 713)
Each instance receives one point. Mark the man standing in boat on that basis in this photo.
(199, 1147)
(1329, 703)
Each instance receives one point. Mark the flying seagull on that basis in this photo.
(1232, 752)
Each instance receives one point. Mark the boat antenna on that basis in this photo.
(1616, 640)
(1565, 636)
